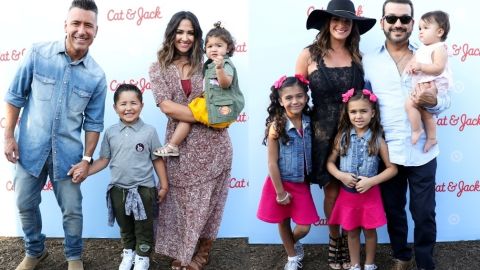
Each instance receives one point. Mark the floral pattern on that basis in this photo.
(198, 178)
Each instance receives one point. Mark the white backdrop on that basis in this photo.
(269, 35)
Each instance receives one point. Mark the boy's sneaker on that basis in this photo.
(293, 264)
(127, 261)
(370, 267)
(141, 263)
(299, 250)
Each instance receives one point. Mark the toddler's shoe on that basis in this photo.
(370, 267)
(293, 264)
(168, 150)
(128, 259)
(141, 263)
(299, 250)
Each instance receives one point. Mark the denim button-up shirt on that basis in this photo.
(295, 157)
(392, 90)
(59, 97)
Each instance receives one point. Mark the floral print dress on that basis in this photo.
(198, 178)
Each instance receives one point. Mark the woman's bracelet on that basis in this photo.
(285, 198)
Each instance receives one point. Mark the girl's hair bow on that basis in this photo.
(372, 97)
(302, 79)
(347, 95)
(367, 93)
(278, 83)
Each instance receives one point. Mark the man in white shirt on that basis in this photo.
(384, 75)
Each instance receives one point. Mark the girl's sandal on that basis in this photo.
(334, 253)
(344, 252)
(168, 150)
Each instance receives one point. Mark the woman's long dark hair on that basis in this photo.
(321, 45)
(168, 53)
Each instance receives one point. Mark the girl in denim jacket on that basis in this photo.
(286, 193)
(359, 145)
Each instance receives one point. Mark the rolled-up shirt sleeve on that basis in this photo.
(21, 86)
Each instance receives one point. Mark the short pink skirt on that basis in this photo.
(301, 208)
(354, 210)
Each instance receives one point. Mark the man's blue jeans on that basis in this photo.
(69, 197)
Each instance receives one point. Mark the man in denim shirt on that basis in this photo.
(61, 90)
(416, 169)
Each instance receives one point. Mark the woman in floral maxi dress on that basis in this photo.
(190, 216)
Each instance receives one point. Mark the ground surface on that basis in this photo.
(229, 254)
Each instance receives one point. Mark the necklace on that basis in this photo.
(400, 62)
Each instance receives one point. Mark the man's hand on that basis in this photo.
(79, 171)
(11, 149)
(425, 94)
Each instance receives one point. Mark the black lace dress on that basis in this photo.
(327, 85)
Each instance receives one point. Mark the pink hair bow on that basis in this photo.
(302, 79)
(347, 95)
(278, 83)
(372, 96)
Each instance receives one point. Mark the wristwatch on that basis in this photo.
(88, 159)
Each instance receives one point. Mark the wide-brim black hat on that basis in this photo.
(339, 8)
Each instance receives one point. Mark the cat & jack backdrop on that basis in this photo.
(269, 34)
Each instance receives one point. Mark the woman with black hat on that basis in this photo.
(332, 64)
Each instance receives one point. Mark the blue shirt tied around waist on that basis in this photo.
(133, 205)
(295, 156)
(58, 97)
(357, 161)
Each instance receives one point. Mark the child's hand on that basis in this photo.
(364, 185)
(284, 198)
(78, 173)
(218, 60)
(348, 179)
(413, 68)
(162, 193)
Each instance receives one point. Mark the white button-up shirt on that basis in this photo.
(392, 89)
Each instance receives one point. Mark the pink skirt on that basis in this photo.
(353, 210)
(301, 208)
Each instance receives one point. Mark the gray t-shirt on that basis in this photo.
(130, 150)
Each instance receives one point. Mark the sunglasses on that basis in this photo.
(392, 19)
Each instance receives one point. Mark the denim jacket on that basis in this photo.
(357, 160)
(296, 153)
(59, 98)
(223, 105)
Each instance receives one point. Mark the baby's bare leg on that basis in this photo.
(180, 133)
(415, 119)
(430, 128)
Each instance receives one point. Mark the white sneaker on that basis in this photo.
(370, 267)
(356, 267)
(127, 261)
(299, 250)
(141, 263)
(293, 264)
